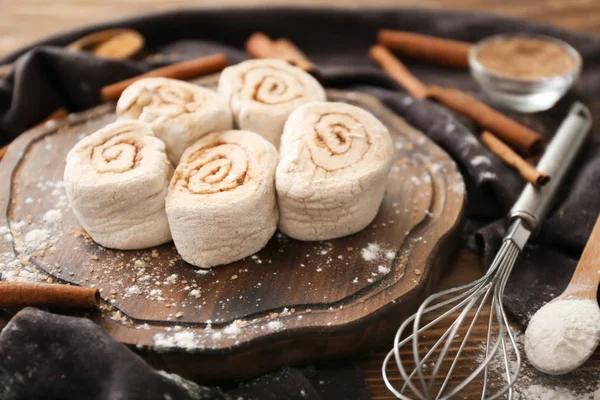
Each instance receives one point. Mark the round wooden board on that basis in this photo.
(291, 302)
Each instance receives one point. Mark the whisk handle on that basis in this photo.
(534, 202)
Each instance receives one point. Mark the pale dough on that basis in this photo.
(332, 176)
(116, 181)
(180, 112)
(263, 93)
(221, 203)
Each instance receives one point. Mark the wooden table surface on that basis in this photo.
(25, 21)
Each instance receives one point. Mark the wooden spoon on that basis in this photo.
(113, 43)
(572, 320)
(117, 44)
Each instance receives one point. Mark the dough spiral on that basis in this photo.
(335, 159)
(116, 181)
(221, 203)
(180, 112)
(263, 93)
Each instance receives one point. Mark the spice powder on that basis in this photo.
(525, 58)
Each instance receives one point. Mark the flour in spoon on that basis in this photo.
(562, 335)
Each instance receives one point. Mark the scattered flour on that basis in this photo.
(533, 385)
(478, 160)
(184, 340)
(274, 325)
(487, 175)
(383, 270)
(374, 251)
(52, 216)
(563, 334)
(36, 238)
(234, 328)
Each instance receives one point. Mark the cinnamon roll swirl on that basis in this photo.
(221, 203)
(179, 112)
(263, 93)
(331, 179)
(116, 181)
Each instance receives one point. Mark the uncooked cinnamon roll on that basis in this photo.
(221, 203)
(116, 181)
(179, 112)
(331, 179)
(263, 93)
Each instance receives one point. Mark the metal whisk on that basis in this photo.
(470, 302)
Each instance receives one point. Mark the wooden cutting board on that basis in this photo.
(292, 302)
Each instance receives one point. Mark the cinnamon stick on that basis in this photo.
(526, 170)
(514, 134)
(398, 71)
(292, 54)
(22, 294)
(446, 52)
(184, 70)
(259, 45)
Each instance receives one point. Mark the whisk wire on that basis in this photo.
(462, 299)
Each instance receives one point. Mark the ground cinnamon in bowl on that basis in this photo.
(526, 58)
(524, 72)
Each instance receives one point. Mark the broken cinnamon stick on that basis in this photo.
(22, 294)
(259, 45)
(507, 155)
(514, 134)
(183, 70)
(398, 71)
(292, 54)
(446, 52)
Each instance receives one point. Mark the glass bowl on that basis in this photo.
(524, 95)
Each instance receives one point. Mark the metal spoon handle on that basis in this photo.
(534, 203)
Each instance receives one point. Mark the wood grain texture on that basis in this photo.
(26, 21)
(586, 277)
(298, 301)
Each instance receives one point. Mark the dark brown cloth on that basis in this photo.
(46, 356)
(48, 77)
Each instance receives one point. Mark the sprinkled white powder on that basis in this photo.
(563, 334)
(274, 325)
(390, 255)
(183, 339)
(234, 328)
(29, 200)
(36, 238)
(383, 270)
(487, 175)
(370, 252)
(480, 160)
(202, 271)
(172, 279)
(133, 290)
(52, 216)
(459, 188)
(195, 293)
